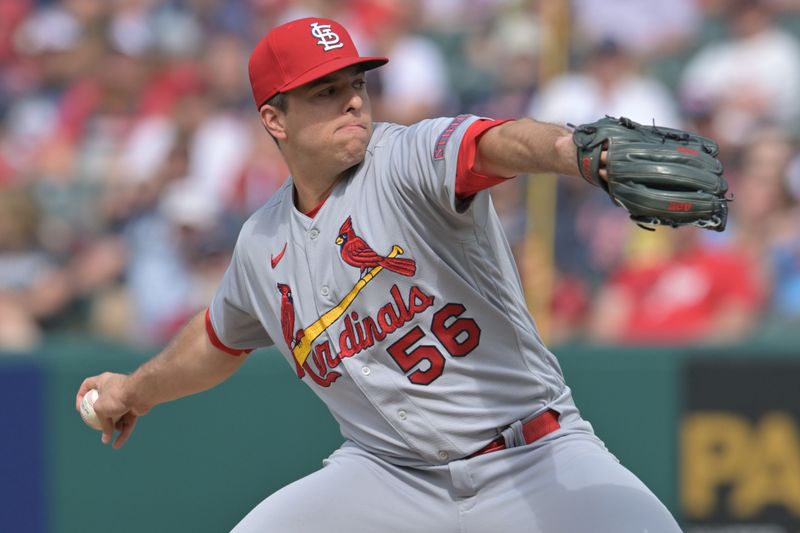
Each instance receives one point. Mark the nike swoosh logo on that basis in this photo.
(276, 260)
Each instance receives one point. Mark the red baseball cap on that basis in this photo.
(302, 51)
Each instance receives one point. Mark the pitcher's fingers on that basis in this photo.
(87, 385)
(603, 170)
(108, 429)
(125, 426)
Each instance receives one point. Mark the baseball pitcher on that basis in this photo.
(381, 273)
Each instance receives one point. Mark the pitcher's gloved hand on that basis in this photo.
(659, 175)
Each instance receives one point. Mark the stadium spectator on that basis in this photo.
(767, 224)
(647, 29)
(414, 84)
(33, 286)
(687, 293)
(607, 84)
(751, 78)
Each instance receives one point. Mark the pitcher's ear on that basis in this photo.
(273, 120)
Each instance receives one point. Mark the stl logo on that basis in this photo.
(326, 36)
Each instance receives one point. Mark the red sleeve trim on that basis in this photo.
(469, 182)
(212, 336)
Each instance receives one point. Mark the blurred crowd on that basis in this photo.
(131, 152)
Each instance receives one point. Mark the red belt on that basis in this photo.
(532, 430)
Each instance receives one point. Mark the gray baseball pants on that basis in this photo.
(566, 482)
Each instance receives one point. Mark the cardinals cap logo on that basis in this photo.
(326, 36)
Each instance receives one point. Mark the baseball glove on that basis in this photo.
(659, 175)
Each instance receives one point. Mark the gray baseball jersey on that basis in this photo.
(401, 307)
(398, 304)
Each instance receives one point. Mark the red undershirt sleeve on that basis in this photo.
(469, 182)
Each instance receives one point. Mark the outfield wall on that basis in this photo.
(714, 432)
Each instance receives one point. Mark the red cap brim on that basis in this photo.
(331, 66)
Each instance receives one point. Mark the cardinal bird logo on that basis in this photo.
(356, 252)
(287, 316)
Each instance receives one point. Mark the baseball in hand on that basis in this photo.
(87, 410)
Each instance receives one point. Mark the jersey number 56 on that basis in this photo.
(459, 336)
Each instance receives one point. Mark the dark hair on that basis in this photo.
(279, 102)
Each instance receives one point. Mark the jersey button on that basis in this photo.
(402, 415)
(325, 291)
(313, 234)
(365, 370)
(443, 455)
